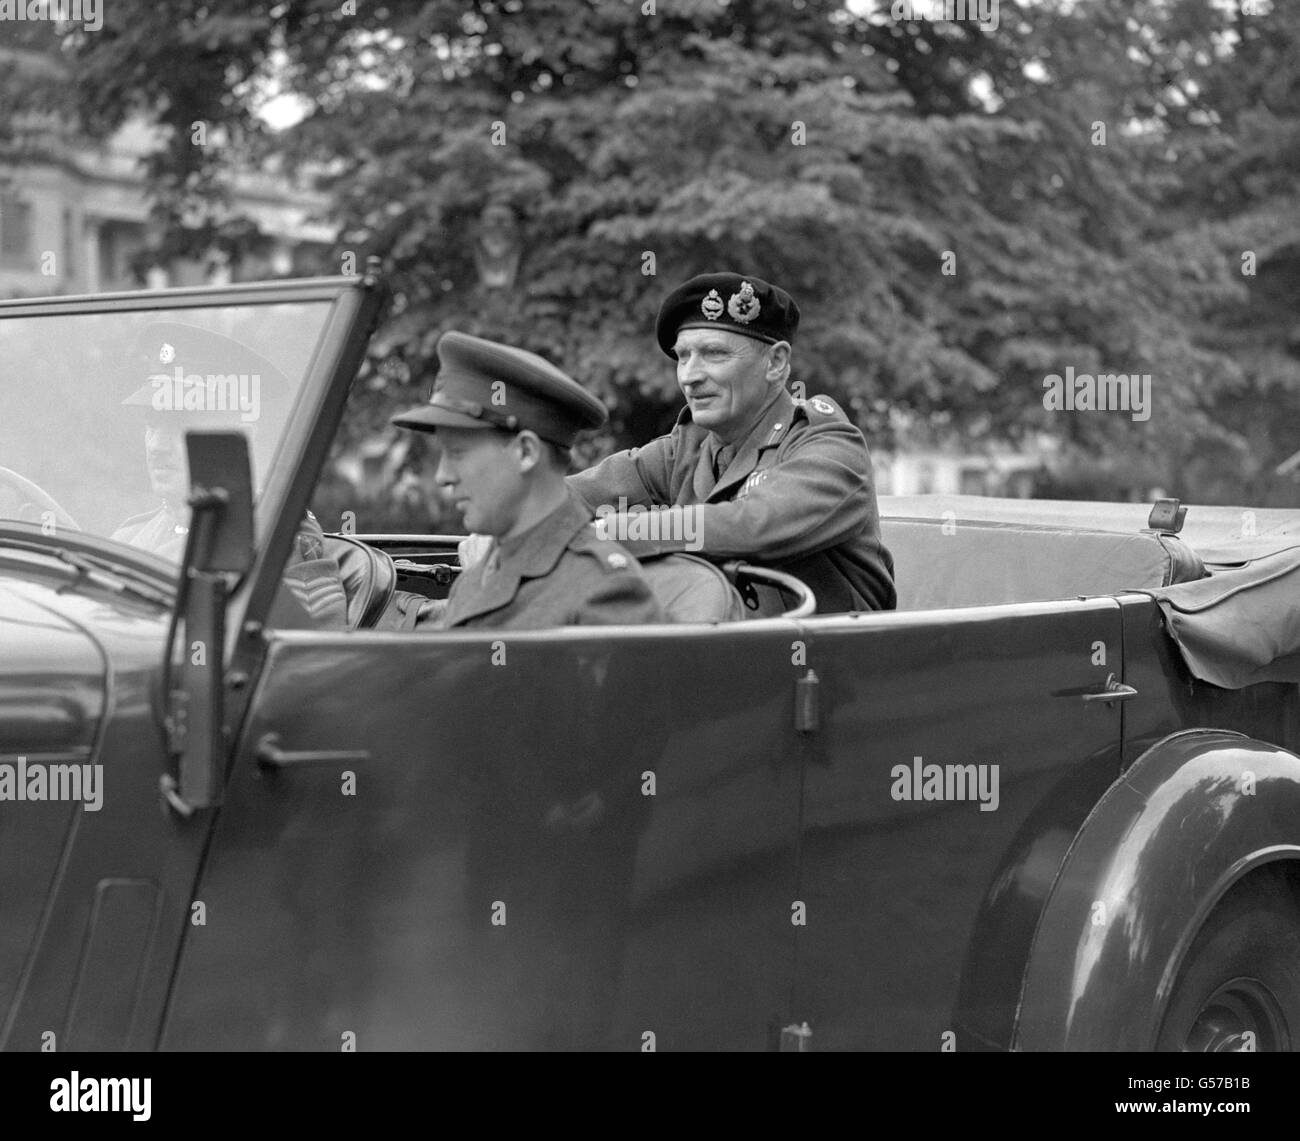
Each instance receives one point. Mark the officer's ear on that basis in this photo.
(778, 361)
(532, 451)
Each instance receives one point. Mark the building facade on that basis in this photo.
(75, 213)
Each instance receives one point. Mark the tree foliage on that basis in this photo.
(959, 212)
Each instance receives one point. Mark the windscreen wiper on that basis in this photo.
(103, 572)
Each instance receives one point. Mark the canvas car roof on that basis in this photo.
(1237, 625)
(1219, 535)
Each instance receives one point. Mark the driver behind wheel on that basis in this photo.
(505, 421)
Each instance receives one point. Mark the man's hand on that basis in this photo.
(473, 550)
(430, 612)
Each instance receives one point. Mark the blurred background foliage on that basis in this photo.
(837, 151)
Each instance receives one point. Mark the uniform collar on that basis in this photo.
(173, 516)
(531, 554)
(767, 433)
(536, 551)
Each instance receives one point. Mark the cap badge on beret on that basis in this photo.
(744, 306)
(756, 309)
(167, 353)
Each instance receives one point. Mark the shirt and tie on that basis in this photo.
(722, 458)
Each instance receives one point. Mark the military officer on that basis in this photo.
(162, 529)
(184, 369)
(505, 421)
(782, 482)
(199, 379)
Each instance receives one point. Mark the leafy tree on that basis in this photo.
(938, 198)
(1239, 157)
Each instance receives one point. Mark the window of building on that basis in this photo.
(69, 245)
(15, 233)
(974, 481)
(925, 478)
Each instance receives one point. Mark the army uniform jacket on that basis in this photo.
(797, 496)
(158, 531)
(557, 573)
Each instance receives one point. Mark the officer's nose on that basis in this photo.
(689, 370)
(160, 448)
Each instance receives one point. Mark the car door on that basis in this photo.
(51, 700)
(958, 753)
(88, 964)
(457, 840)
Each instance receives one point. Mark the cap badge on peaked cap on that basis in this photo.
(744, 306)
(166, 354)
(712, 306)
(535, 395)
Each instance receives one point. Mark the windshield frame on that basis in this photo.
(356, 304)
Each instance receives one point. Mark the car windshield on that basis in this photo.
(94, 408)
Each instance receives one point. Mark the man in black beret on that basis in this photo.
(505, 421)
(748, 472)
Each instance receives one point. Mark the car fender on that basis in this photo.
(1194, 814)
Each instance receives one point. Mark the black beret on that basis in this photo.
(189, 368)
(738, 302)
(483, 384)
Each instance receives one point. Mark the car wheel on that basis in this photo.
(1239, 988)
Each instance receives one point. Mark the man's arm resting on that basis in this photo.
(638, 475)
(816, 497)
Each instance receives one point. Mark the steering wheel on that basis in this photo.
(38, 499)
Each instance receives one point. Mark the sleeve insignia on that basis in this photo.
(711, 306)
(744, 306)
(753, 481)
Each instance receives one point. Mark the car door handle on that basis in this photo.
(271, 756)
(1112, 691)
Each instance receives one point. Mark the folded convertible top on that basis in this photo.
(1240, 624)
(1237, 625)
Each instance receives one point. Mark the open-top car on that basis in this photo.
(1051, 802)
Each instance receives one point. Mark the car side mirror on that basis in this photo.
(220, 545)
(221, 499)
